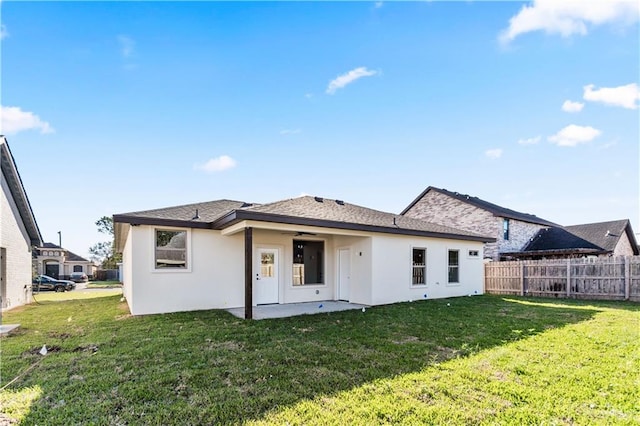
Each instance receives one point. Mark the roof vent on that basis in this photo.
(340, 202)
(318, 199)
(245, 205)
(196, 216)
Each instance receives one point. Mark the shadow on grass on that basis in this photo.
(209, 367)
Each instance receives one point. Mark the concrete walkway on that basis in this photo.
(295, 309)
(5, 329)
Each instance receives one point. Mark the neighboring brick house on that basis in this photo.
(521, 235)
(511, 229)
(58, 262)
(19, 233)
(614, 238)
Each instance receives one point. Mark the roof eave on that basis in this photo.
(137, 220)
(19, 194)
(239, 215)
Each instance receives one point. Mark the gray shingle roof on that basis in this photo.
(495, 209)
(312, 211)
(600, 237)
(323, 209)
(70, 256)
(207, 211)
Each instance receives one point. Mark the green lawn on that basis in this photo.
(471, 360)
(104, 284)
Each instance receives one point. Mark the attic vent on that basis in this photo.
(318, 199)
(340, 202)
(196, 216)
(244, 205)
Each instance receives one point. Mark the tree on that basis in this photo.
(104, 252)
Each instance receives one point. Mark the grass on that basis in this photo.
(52, 296)
(472, 360)
(104, 284)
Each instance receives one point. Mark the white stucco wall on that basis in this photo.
(380, 265)
(127, 269)
(392, 269)
(14, 239)
(214, 279)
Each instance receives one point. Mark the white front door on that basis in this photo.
(265, 283)
(344, 273)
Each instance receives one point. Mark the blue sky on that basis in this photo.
(122, 106)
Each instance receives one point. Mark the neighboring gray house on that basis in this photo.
(511, 229)
(521, 235)
(19, 233)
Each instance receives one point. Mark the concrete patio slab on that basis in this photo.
(7, 328)
(295, 309)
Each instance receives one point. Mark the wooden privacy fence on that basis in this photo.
(610, 278)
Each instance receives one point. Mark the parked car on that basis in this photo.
(45, 282)
(79, 277)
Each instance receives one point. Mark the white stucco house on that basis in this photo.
(230, 254)
(19, 233)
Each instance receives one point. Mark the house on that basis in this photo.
(230, 254)
(522, 235)
(60, 263)
(18, 234)
(511, 230)
(614, 238)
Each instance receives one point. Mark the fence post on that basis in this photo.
(522, 278)
(568, 278)
(627, 277)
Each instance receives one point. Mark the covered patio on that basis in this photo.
(295, 309)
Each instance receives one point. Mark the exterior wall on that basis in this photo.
(380, 265)
(623, 248)
(214, 280)
(127, 269)
(14, 238)
(442, 209)
(520, 233)
(392, 269)
(360, 290)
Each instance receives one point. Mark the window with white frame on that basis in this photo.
(419, 266)
(170, 249)
(474, 253)
(454, 266)
(77, 268)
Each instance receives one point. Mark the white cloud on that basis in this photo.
(574, 135)
(493, 154)
(623, 96)
(568, 17)
(3, 32)
(378, 4)
(219, 164)
(570, 106)
(127, 45)
(529, 141)
(14, 120)
(348, 78)
(308, 95)
(290, 131)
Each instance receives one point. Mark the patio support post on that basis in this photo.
(248, 273)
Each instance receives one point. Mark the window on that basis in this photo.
(170, 249)
(474, 253)
(454, 266)
(505, 229)
(77, 268)
(419, 266)
(308, 262)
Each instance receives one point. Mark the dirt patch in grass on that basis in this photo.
(36, 350)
